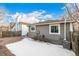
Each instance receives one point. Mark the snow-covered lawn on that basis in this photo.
(29, 47)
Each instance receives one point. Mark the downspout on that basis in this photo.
(65, 29)
(66, 43)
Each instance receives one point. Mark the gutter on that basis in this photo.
(53, 23)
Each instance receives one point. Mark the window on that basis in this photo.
(54, 29)
(32, 28)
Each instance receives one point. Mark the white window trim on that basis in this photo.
(54, 25)
(33, 30)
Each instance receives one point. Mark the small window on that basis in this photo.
(32, 28)
(54, 29)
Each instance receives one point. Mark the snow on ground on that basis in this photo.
(29, 47)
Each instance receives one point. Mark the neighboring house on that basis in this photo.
(15, 26)
(53, 30)
(20, 26)
(9, 30)
(3, 28)
(24, 28)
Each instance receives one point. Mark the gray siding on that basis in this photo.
(54, 38)
(45, 31)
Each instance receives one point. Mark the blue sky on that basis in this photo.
(51, 8)
(29, 7)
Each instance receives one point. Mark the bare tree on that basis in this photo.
(73, 16)
(12, 24)
(3, 13)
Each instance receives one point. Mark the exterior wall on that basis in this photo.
(31, 34)
(53, 38)
(44, 30)
(24, 30)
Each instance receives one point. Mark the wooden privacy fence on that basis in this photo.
(75, 42)
(10, 33)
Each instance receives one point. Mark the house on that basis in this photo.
(21, 26)
(9, 30)
(55, 31)
(3, 27)
(24, 28)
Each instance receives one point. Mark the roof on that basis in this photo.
(52, 21)
(3, 26)
(23, 23)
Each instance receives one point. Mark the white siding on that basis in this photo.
(24, 29)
